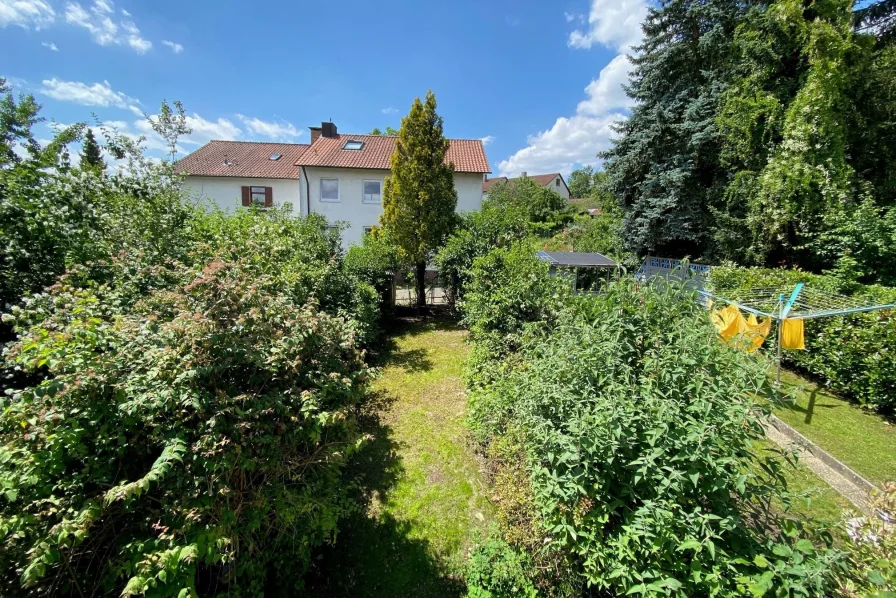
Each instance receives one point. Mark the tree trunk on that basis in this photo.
(421, 284)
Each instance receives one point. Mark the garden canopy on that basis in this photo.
(574, 259)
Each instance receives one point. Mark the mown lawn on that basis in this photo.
(423, 500)
(864, 441)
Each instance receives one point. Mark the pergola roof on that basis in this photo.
(574, 259)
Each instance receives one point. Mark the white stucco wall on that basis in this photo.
(226, 192)
(562, 191)
(353, 211)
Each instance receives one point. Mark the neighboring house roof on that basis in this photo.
(492, 182)
(545, 180)
(248, 159)
(468, 155)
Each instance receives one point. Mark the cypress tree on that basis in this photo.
(664, 167)
(91, 156)
(419, 198)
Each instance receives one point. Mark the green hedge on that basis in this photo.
(853, 355)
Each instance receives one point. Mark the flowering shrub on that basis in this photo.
(189, 443)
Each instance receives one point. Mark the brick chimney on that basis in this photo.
(315, 133)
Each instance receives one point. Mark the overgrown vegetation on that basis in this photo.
(637, 434)
(179, 399)
(873, 542)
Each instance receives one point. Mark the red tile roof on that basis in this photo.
(468, 155)
(545, 180)
(243, 159)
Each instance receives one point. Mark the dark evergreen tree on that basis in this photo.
(91, 155)
(664, 167)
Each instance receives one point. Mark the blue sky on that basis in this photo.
(540, 81)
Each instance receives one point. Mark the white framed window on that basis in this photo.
(257, 194)
(329, 189)
(557, 182)
(372, 191)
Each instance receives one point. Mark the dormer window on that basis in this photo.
(353, 145)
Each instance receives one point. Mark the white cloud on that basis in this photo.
(203, 130)
(571, 141)
(612, 23)
(570, 17)
(175, 47)
(576, 140)
(134, 39)
(125, 13)
(606, 92)
(98, 94)
(26, 13)
(50, 45)
(389, 110)
(283, 131)
(104, 31)
(487, 139)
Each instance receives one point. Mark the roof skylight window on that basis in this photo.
(275, 157)
(353, 145)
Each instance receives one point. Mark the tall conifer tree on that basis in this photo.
(419, 199)
(91, 155)
(664, 166)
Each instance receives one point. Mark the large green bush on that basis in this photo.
(854, 355)
(509, 288)
(180, 393)
(190, 442)
(510, 213)
(638, 430)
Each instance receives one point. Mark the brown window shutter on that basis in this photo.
(247, 196)
(268, 197)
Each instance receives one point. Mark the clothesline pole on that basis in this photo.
(778, 376)
(784, 313)
(778, 310)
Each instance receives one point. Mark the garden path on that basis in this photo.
(422, 495)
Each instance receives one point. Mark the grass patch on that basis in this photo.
(861, 439)
(813, 497)
(424, 501)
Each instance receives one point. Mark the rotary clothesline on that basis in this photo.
(803, 304)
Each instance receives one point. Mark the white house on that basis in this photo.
(337, 175)
(553, 181)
